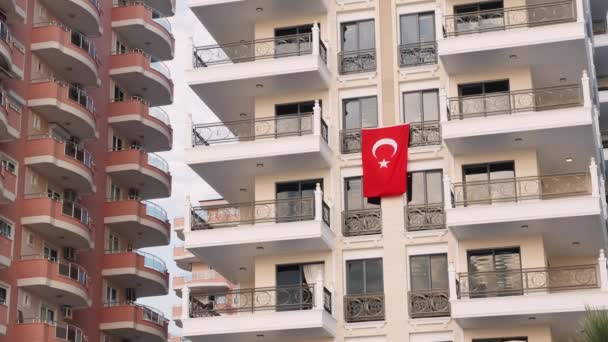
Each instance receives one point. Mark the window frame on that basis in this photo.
(430, 274)
(359, 99)
(421, 92)
(364, 272)
(417, 15)
(364, 200)
(358, 23)
(409, 194)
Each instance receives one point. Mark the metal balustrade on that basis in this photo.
(527, 280)
(426, 133)
(424, 217)
(549, 13)
(149, 314)
(429, 303)
(65, 268)
(62, 331)
(150, 261)
(362, 222)
(416, 54)
(503, 103)
(364, 307)
(521, 189)
(352, 62)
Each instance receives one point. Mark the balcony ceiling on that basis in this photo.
(79, 14)
(242, 15)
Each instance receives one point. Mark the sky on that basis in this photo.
(186, 28)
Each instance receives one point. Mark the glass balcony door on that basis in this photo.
(295, 200)
(494, 272)
(294, 118)
(488, 183)
(294, 285)
(293, 41)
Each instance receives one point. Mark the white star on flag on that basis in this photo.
(383, 164)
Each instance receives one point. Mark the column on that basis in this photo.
(185, 302)
(318, 203)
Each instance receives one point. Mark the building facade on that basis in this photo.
(81, 85)
(501, 234)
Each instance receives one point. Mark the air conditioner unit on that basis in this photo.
(66, 312)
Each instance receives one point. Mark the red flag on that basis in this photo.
(384, 153)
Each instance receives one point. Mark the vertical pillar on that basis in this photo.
(443, 105)
(316, 118)
(595, 187)
(438, 23)
(185, 302)
(586, 87)
(318, 203)
(319, 295)
(452, 282)
(188, 216)
(603, 271)
(315, 39)
(447, 192)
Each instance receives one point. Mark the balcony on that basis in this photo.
(555, 296)
(8, 186)
(41, 330)
(367, 307)
(275, 313)
(12, 53)
(144, 223)
(355, 62)
(60, 282)
(14, 9)
(183, 258)
(362, 222)
(178, 227)
(176, 315)
(523, 35)
(228, 237)
(542, 118)
(138, 75)
(83, 15)
(144, 28)
(166, 7)
(244, 14)
(128, 268)
(62, 223)
(65, 104)
(136, 121)
(261, 67)
(546, 204)
(71, 55)
(6, 257)
(229, 155)
(61, 162)
(207, 281)
(421, 134)
(417, 54)
(128, 321)
(424, 217)
(429, 303)
(136, 168)
(10, 119)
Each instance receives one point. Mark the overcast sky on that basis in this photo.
(185, 26)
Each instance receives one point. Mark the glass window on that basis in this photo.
(3, 295)
(481, 88)
(425, 187)
(421, 106)
(429, 272)
(360, 112)
(417, 28)
(359, 35)
(364, 276)
(5, 229)
(354, 195)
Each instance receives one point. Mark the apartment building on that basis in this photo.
(502, 232)
(81, 84)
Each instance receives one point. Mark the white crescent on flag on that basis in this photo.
(385, 141)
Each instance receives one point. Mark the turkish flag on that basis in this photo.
(384, 154)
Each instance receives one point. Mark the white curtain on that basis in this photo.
(312, 272)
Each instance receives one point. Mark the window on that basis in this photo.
(26, 300)
(3, 295)
(30, 239)
(360, 112)
(353, 195)
(115, 194)
(293, 279)
(294, 118)
(35, 121)
(484, 183)
(417, 39)
(424, 187)
(113, 243)
(494, 272)
(421, 106)
(111, 296)
(297, 40)
(295, 200)
(53, 194)
(131, 295)
(119, 95)
(133, 194)
(364, 276)
(483, 98)
(47, 314)
(503, 339)
(429, 272)
(51, 254)
(482, 88)
(482, 16)
(6, 229)
(358, 43)
(33, 178)
(9, 166)
(119, 47)
(116, 143)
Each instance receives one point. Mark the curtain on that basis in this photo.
(312, 272)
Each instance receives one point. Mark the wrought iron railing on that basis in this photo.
(247, 130)
(599, 26)
(231, 215)
(364, 307)
(362, 222)
(507, 18)
(65, 268)
(323, 51)
(604, 139)
(421, 134)
(249, 51)
(527, 280)
(150, 261)
(425, 217)
(515, 101)
(352, 62)
(283, 298)
(521, 189)
(326, 214)
(327, 300)
(63, 331)
(418, 54)
(429, 303)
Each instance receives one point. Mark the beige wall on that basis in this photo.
(526, 162)
(519, 79)
(265, 29)
(532, 249)
(265, 185)
(534, 333)
(449, 4)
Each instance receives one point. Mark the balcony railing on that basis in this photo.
(515, 101)
(426, 133)
(364, 307)
(150, 261)
(75, 92)
(149, 314)
(160, 114)
(66, 268)
(71, 209)
(72, 150)
(231, 215)
(247, 130)
(362, 222)
(521, 189)
(425, 217)
(259, 49)
(158, 162)
(600, 27)
(156, 211)
(155, 15)
(528, 280)
(508, 18)
(284, 298)
(63, 331)
(429, 303)
(161, 68)
(78, 39)
(417, 54)
(352, 62)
